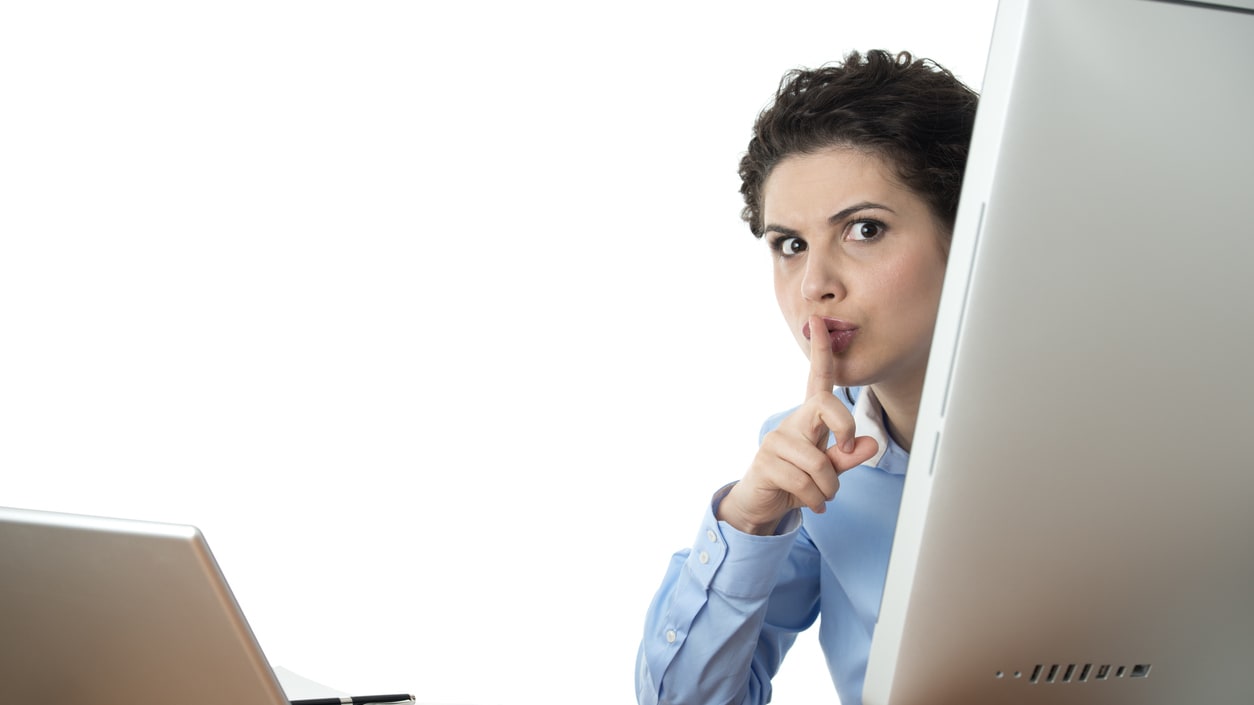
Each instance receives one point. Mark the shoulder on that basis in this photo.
(847, 396)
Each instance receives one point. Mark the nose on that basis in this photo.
(821, 280)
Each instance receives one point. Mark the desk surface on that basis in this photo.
(296, 686)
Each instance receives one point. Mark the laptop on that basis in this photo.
(100, 610)
(1077, 524)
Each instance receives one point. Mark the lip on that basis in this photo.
(840, 332)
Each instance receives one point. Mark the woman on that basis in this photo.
(852, 179)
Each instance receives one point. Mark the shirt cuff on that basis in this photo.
(737, 564)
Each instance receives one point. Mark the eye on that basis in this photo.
(789, 245)
(863, 230)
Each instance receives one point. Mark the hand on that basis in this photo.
(794, 467)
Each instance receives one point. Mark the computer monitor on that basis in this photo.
(1077, 524)
(99, 610)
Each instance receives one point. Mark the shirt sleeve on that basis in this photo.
(727, 611)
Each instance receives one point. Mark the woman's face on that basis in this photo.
(852, 245)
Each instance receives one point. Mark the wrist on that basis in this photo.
(727, 510)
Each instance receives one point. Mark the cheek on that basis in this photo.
(916, 284)
(788, 296)
(787, 292)
(920, 269)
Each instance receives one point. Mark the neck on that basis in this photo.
(901, 409)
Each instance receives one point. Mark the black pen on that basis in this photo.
(357, 700)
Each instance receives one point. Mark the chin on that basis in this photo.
(849, 376)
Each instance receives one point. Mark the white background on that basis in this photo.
(440, 323)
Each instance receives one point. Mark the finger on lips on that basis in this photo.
(822, 361)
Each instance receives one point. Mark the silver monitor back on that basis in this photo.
(1077, 523)
(96, 610)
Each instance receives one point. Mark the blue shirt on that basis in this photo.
(732, 604)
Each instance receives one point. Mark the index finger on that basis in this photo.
(822, 360)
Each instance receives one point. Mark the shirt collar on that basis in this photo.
(868, 420)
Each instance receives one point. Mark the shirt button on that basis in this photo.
(670, 636)
(704, 558)
(713, 537)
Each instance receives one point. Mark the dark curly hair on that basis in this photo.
(913, 113)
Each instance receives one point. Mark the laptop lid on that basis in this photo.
(1076, 524)
(98, 610)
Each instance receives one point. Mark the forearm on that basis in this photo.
(706, 638)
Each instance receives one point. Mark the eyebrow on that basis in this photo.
(837, 217)
(863, 206)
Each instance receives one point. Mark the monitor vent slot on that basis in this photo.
(1058, 673)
